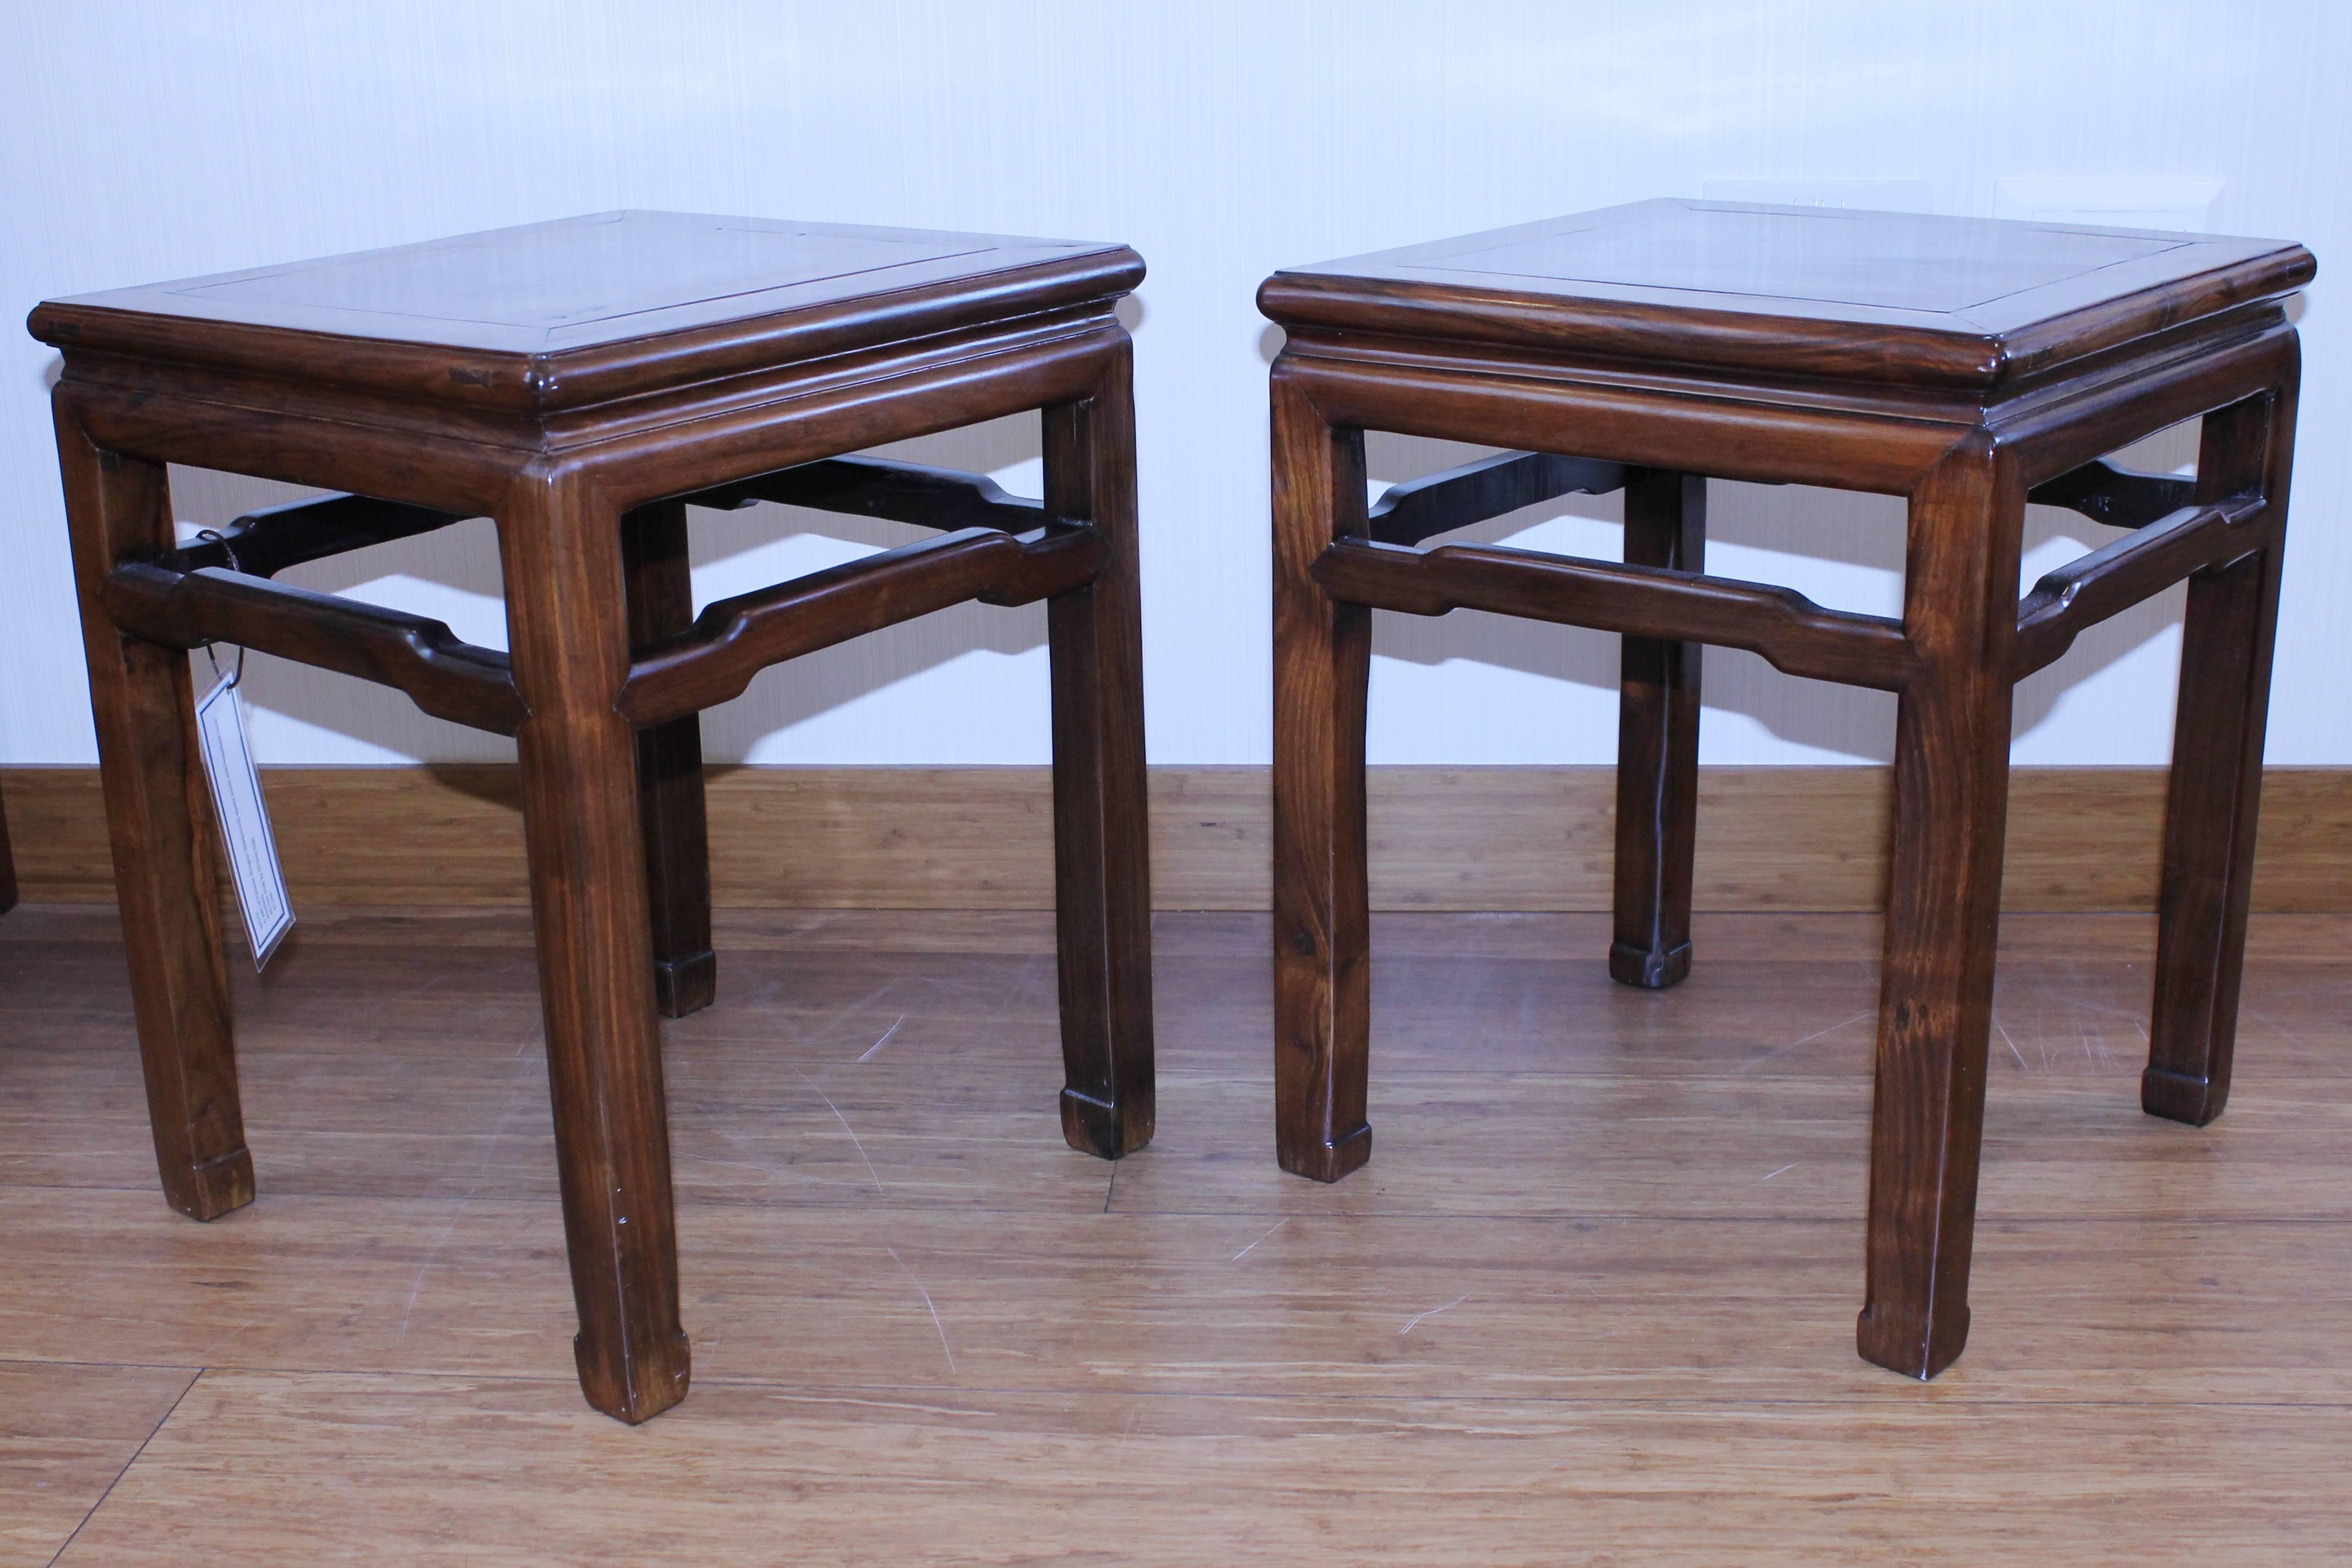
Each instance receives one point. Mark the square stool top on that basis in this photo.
(1805, 291)
(581, 310)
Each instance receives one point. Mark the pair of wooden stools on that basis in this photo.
(583, 382)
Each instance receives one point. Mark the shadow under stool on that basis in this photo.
(581, 383)
(1968, 366)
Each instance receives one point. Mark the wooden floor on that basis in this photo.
(1592, 1300)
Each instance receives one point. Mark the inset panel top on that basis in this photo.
(550, 312)
(1803, 290)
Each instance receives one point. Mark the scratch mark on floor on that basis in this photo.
(1417, 1317)
(884, 1039)
(926, 1303)
(222, 1343)
(817, 1034)
(1246, 1251)
(1125, 1432)
(2013, 1044)
(1809, 1039)
(433, 1253)
(846, 1127)
(1791, 1166)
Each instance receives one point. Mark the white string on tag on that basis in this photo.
(215, 536)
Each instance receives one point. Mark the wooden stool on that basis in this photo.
(582, 382)
(1968, 366)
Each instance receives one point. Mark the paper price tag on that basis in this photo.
(243, 819)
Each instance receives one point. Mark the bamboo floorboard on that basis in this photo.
(1592, 1300)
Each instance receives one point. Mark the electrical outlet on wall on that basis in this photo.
(1862, 195)
(2186, 205)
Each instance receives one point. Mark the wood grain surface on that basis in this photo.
(1918, 301)
(1442, 838)
(924, 1332)
(551, 316)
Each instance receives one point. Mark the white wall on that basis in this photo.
(140, 141)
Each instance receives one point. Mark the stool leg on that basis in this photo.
(569, 635)
(159, 818)
(7, 867)
(2217, 774)
(1102, 852)
(1943, 912)
(669, 770)
(1658, 746)
(1322, 662)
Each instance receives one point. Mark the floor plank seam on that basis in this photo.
(1865, 1400)
(1593, 1402)
(109, 1366)
(688, 1204)
(67, 1545)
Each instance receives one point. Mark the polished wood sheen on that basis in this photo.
(582, 384)
(734, 639)
(1890, 299)
(1790, 631)
(1658, 746)
(1968, 366)
(586, 311)
(1422, 508)
(7, 866)
(422, 658)
(671, 812)
(925, 1335)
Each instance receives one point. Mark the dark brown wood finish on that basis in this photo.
(1322, 899)
(1657, 745)
(1943, 909)
(1900, 300)
(669, 769)
(1788, 629)
(1968, 366)
(591, 311)
(734, 639)
(7, 866)
(2118, 497)
(443, 676)
(1489, 487)
(2113, 578)
(568, 621)
(878, 487)
(580, 383)
(159, 820)
(264, 543)
(1102, 854)
(455, 680)
(2215, 798)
